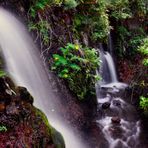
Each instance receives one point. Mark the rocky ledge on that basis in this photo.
(22, 124)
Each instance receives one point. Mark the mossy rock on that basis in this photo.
(56, 136)
(22, 124)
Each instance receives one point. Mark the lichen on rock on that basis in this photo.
(22, 124)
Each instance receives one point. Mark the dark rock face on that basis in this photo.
(21, 124)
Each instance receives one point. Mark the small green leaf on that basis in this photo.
(70, 46)
(75, 67)
(145, 62)
(59, 60)
(40, 5)
(3, 128)
(64, 71)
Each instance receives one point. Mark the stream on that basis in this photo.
(116, 116)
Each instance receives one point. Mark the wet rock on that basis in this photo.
(106, 105)
(115, 120)
(116, 131)
(2, 85)
(23, 124)
(120, 145)
(24, 94)
(2, 106)
(12, 109)
(116, 103)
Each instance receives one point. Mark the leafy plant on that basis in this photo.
(38, 5)
(144, 103)
(139, 8)
(119, 9)
(93, 19)
(70, 4)
(144, 50)
(144, 46)
(3, 128)
(77, 66)
(43, 28)
(128, 41)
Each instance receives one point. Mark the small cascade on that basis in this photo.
(111, 67)
(117, 118)
(25, 67)
(108, 71)
(104, 69)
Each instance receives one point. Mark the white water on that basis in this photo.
(24, 66)
(126, 133)
(111, 67)
(130, 132)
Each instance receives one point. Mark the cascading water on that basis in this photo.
(111, 67)
(117, 118)
(24, 66)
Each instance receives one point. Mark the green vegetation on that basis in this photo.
(42, 28)
(144, 50)
(77, 65)
(144, 104)
(56, 136)
(95, 18)
(3, 128)
(40, 5)
(2, 73)
(128, 41)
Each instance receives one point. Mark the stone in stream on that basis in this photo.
(116, 103)
(106, 105)
(2, 106)
(115, 120)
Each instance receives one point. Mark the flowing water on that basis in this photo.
(25, 67)
(111, 67)
(117, 118)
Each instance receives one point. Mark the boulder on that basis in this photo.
(106, 105)
(22, 124)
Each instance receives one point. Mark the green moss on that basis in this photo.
(56, 136)
(2, 73)
(42, 115)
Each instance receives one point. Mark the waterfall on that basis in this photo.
(116, 118)
(111, 67)
(107, 70)
(25, 67)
